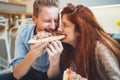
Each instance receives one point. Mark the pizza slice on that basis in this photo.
(44, 36)
(66, 74)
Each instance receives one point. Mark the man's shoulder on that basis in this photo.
(27, 28)
(26, 32)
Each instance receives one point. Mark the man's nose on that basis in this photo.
(53, 25)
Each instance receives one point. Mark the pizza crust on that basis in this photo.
(48, 39)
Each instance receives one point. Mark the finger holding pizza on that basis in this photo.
(44, 36)
(37, 49)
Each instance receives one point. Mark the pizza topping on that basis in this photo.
(42, 34)
(69, 71)
(45, 34)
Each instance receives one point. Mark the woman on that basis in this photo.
(91, 52)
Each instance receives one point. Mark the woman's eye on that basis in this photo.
(65, 25)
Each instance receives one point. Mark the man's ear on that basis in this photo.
(34, 19)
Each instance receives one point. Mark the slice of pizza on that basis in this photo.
(66, 74)
(44, 36)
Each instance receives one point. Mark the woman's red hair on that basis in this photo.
(83, 55)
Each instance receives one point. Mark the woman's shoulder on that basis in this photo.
(102, 47)
(102, 50)
(108, 59)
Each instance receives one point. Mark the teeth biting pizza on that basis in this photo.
(44, 36)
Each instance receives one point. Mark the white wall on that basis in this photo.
(107, 16)
(29, 5)
(64, 2)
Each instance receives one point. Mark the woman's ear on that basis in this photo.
(34, 19)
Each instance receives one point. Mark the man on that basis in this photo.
(34, 62)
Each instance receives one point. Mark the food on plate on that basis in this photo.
(66, 74)
(44, 36)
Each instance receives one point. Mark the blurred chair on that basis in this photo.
(19, 23)
(13, 31)
(4, 66)
(4, 36)
(26, 22)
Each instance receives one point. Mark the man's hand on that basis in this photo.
(37, 49)
(21, 69)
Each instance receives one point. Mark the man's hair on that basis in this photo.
(38, 4)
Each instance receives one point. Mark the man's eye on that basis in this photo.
(47, 21)
(56, 21)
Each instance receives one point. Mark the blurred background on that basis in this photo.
(16, 13)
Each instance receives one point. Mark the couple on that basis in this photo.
(87, 49)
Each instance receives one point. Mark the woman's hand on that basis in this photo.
(54, 50)
(75, 76)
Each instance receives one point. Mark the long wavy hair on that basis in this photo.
(83, 55)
